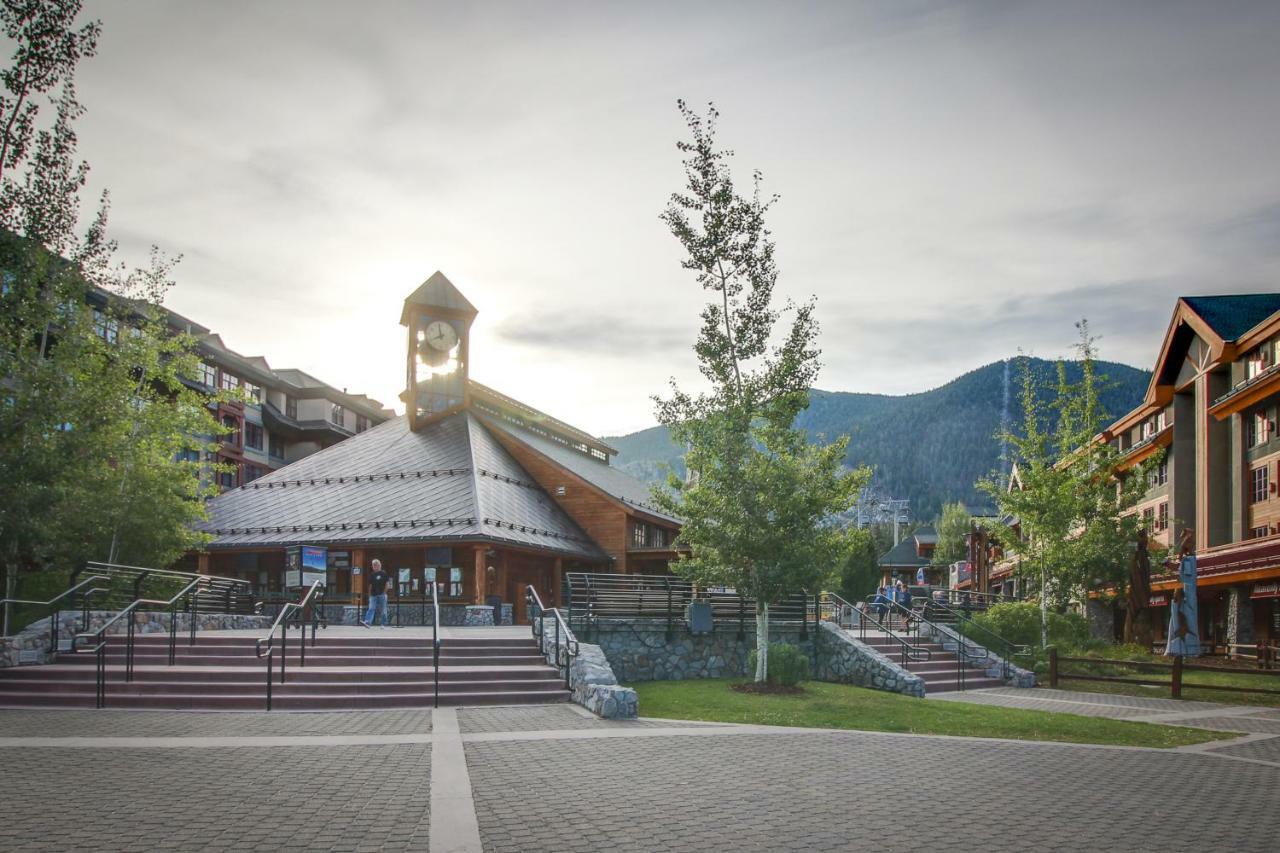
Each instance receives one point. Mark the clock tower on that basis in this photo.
(439, 320)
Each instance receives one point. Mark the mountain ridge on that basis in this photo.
(930, 446)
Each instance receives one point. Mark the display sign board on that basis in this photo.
(1266, 590)
(339, 559)
(304, 565)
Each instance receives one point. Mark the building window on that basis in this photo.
(337, 414)
(641, 534)
(1162, 516)
(253, 392)
(657, 537)
(275, 446)
(251, 473)
(227, 479)
(208, 375)
(1260, 484)
(233, 424)
(107, 328)
(362, 423)
(1259, 532)
(1257, 429)
(252, 435)
(1149, 518)
(229, 382)
(291, 408)
(1260, 360)
(188, 455)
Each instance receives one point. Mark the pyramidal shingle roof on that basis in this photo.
(451, 480)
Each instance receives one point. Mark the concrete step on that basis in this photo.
(58, 688)
(72, 672)
(118, 697)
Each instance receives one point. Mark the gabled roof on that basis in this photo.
(615, 483)
(903, 555)
(450, 480)
(437, 292)
(925, 534)
(1231, 316)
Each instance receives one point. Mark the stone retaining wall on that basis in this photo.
(639, 650)
(31, 645)
(844, 660)
(592, 681)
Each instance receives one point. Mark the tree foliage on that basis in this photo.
(95, 415)
(757, 509)
(952, 526)
(1075, 509)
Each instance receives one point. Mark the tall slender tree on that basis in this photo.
(96, 418)
(758, 506)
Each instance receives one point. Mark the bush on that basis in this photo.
(788, 666)
(1019, 622)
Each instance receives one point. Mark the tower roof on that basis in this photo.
(438, 292)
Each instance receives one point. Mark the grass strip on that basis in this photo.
(840, 706)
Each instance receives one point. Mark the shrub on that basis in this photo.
(788, 666)
(1019, 622)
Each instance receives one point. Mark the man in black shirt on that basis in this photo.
(377, 584)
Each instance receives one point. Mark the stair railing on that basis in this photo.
(435, 645)
(965, 624)
(908, 652)
(564, 652)
(100, 636)
(86, 589)
(314, 594)
(967, 652)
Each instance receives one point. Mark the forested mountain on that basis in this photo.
(930, 447)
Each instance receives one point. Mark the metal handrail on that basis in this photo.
(1010, 648)
(564, 653)
(54, 611)
(282, 622)
(977, 654)
(100, 635)
(908, 652)
(435, 645)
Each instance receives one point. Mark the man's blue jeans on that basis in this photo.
(377, 604)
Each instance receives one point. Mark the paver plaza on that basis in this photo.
(555, 778)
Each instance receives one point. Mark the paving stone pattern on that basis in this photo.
(850, 791)
(176, 724)
(541, 718)
(1031, 703)
(1255, 725)
(1260, 750)
(289, 798)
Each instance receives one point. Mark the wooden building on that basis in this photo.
(470, 489)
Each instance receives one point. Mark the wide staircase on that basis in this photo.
(941, 671)
(341, 672)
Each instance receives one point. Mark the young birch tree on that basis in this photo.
(95, 413)
(759, 503)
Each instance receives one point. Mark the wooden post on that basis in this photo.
(1053, 666)
(480, 575)
(1175, 686)
(557, 582)
(202, 563)
(357, 581)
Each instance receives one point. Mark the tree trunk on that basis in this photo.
(1044, 609)
(762, 642)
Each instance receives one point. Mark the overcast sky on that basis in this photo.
(958, 180)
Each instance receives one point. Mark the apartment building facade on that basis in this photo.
(287, 414)
(1210, 417)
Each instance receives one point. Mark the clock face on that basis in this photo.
(441, 336)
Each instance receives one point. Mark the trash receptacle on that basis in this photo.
(698, 616)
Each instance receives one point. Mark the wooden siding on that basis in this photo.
(604, 518)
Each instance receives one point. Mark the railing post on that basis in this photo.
(742, 618)
(270, 656)
(284, 645)
(804, 616)
(670, 629)
(1053, 666)
(173, 633)
(1175, 685)
(226, 605)
(53, 632)
(101, 697)
(191, 617)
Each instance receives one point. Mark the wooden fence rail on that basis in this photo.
(1176, 669)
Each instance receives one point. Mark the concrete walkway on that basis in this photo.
(555, 778)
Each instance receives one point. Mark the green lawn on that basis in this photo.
(1111, 662)
(839, 706)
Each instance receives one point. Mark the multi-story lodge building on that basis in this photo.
(470, 490)
(1211, 411)
(287, 414)
(1208, 422)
